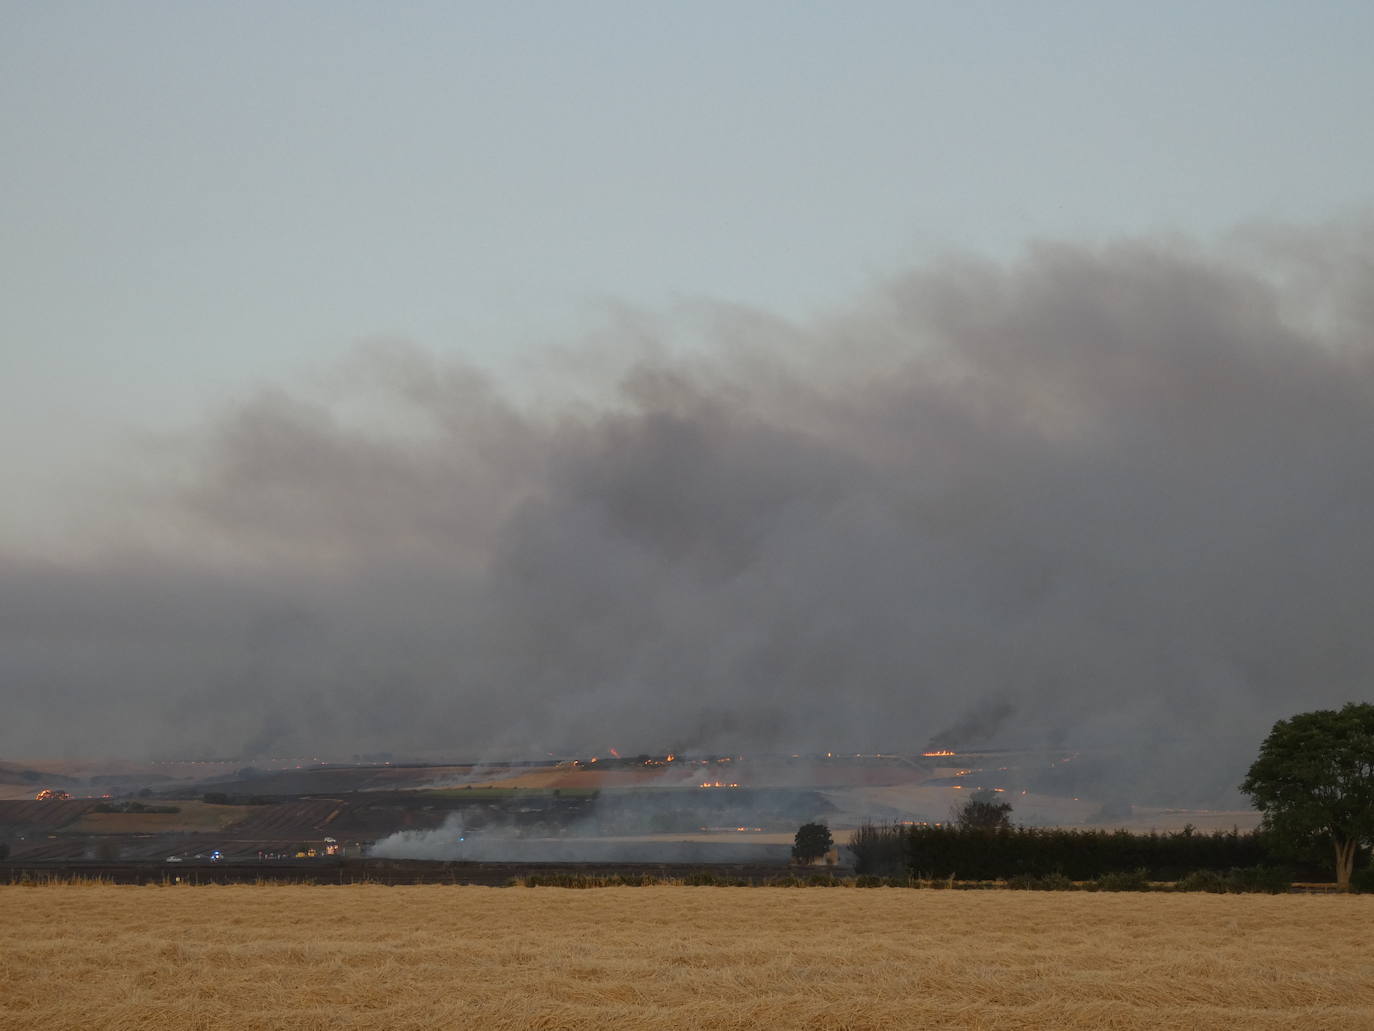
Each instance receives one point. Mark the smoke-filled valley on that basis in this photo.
(1110, 498)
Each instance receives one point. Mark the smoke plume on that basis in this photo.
(1114, 497)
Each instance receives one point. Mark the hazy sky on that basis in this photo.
(195, 197)
(854, 374)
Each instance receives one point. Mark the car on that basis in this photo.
(174, 859)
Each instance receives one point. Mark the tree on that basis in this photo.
(811, 842)
(983, 812)
(1314, 778)
(880, 849)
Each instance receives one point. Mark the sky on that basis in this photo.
(294, 293)
(201, 196)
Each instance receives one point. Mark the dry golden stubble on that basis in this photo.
(677, 958)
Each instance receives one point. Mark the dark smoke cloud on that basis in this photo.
(976, 726)
(1113, 497)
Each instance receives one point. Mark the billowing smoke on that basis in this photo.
(580, 843)
(976, 726)
(1113, 497)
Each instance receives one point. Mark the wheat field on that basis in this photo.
(672, 957)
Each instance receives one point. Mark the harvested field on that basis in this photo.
(678, 958)
(47, 816)
(289, 818)
(190, 816)
(311, 819)
(685, 775)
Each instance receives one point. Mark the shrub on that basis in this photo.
(1362, 880)
(568, 880)
(1203, 880)
(879, 849)
(1081, 855)
(868, 880)
(1130, 880)
(703, 879)
(1049, 882)
(1272, 880)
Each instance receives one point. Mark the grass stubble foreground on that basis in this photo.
(673, 957)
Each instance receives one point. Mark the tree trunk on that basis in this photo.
(1345, 862)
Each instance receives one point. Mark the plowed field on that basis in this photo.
(679, 958)
(289, 818)
(47, 815)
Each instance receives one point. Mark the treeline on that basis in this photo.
(133, 807)
(890, 850)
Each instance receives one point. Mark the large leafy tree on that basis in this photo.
(1315, 778)
(983, 812)
(812, 841)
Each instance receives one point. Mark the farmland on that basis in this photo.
(678, 958)
(188, 816)
(642, 809)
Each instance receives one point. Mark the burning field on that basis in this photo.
(678, 958)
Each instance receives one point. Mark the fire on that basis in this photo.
(615, 753)
(943, 751)
(51, 795)
(717, 784)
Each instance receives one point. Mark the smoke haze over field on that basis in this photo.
(1103, 497)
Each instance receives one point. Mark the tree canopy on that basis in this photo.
(983, 812)
(1314, 778)
(811, 842)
